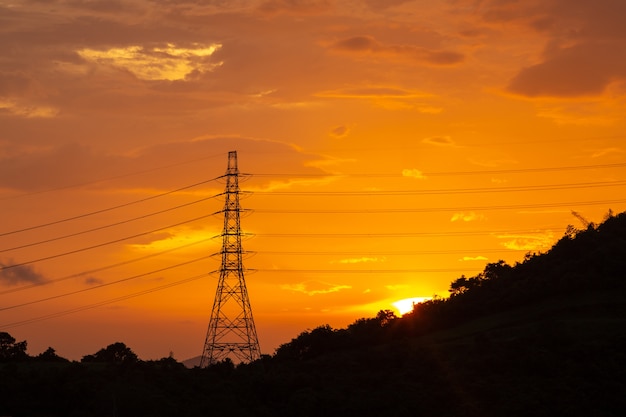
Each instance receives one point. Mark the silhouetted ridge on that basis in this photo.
(543, 337)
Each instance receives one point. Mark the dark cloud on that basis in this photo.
(369, 45)
(356, 44)
(581, 70)
(340, 131)
(304, 7)
(585, 43)
(384, 4)
(12, 274)
(93, 281)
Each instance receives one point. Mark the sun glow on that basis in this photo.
(406, 305)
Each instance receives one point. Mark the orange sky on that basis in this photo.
(394, 146)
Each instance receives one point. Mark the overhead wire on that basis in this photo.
(439, 209)
(82, 232)
(92, 213)
(107, 284)
(104, 268)
(550, 187)
(110, 242)
(102, 303)
(452, 173)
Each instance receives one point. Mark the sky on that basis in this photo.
(386, 147)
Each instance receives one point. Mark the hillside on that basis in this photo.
(546, 336)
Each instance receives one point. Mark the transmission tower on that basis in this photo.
(231, 333)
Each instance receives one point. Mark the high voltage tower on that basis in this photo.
(231, 332)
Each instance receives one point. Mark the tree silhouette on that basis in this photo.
(10, 350)
(115, 353)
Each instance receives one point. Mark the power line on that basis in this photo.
(359, 271)
(453, 173)
(80, 216)
(107, 225)
(404, 234)
(103, 268)
(54, 297)
(110, 301)
(83, 249)
(386, 253)
(447, 191)
(439, 209)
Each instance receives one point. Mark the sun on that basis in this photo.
(406, 305)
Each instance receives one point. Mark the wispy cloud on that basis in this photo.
(363, 259)
(27, 110)
(340, 132)
(12, 274)
(530, 242)
(467, 217)
(439, 141)
(314, 287)
(413, 173)
(367, 45)
(473, 258)
(295, 7)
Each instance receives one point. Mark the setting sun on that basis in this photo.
(406, 305)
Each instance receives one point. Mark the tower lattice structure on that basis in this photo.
(231, 333)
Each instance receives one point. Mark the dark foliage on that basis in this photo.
(544, 337)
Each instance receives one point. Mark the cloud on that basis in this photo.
(168, 62)
(529, 242)
(585, 69)
(297, 7)
(387, 97)
(368, 45)
(467, 217)
(93, 281)
(13, 275)
(27, 110)
(363, 259)
(314, 287)
(374, 92)
(607, 151)
(384, 4)
(584, 44)
(340, 132)
(581, 113)
(413, 173)
(439, 141)
(473, 258)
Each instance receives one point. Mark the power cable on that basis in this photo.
(103, 268)
(403, 234)
(359, 271)
(439, 209)
(80, 216)
(54, 297)
(99, 304)
(107, 225)
(386, 253)
(447, 191)
(455, 173)
(83, 249)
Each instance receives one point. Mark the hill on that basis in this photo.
(546, 336)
